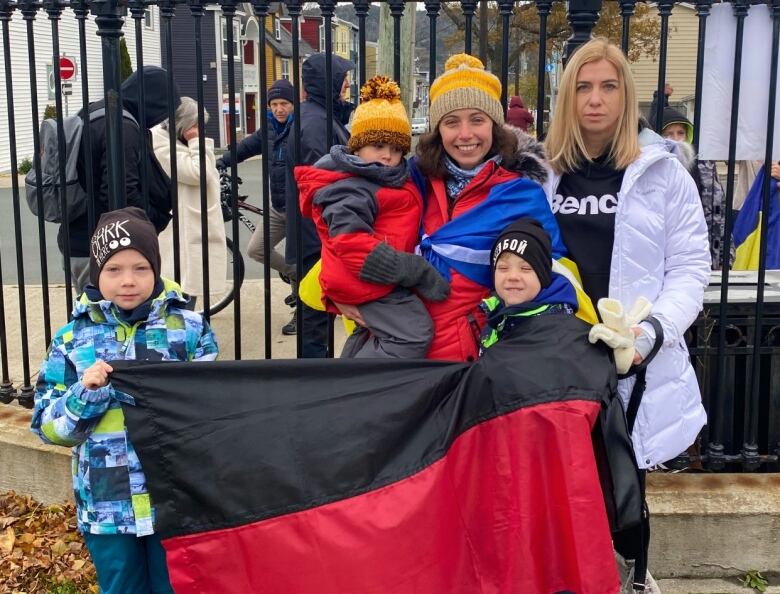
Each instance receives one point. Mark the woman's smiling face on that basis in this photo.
(467, 136)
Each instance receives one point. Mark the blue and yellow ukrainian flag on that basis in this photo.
(747, 227)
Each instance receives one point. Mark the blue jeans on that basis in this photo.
(127, 564)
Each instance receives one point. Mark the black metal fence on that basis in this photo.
(734, 345)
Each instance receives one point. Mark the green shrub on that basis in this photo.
(50, 113)
(125, 65)
(25, 166)
(754, 579)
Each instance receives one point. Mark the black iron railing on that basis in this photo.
(734, 345)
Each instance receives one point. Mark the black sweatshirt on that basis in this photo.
(584, 206)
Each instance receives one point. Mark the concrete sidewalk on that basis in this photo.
(694, 586)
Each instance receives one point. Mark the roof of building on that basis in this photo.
(315, 13)
(284, 45)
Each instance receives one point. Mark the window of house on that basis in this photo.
(148, 18)
(322, 38)
(285, 69)
(286, 25)
(277, 29)
(236, 40)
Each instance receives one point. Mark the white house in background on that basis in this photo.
(69, 46)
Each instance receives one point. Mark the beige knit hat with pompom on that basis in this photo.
(465, 84)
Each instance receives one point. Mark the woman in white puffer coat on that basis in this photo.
(189, 209)
(630, 216)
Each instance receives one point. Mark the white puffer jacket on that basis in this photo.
(661, 252)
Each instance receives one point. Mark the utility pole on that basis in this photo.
(483, 33)
(403, 72)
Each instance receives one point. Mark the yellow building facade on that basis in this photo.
(345, 45)
(680, 62)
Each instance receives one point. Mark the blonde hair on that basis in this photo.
(565, 144)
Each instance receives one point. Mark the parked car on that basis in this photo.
(419, 125)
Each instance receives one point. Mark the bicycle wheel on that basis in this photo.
(223, 301)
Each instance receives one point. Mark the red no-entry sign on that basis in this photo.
(67, 68)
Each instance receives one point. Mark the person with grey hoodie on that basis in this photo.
(367, 214)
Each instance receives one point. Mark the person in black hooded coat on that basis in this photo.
(159, 209)
(314, 143)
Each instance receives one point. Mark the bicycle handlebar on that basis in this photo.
(226, 192)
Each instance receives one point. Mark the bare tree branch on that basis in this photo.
(455, 14)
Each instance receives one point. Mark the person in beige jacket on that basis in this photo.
(189, 215)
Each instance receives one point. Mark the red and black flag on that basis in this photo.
(380, 477)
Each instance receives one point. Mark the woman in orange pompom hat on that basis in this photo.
(472, 165)
(367, 214)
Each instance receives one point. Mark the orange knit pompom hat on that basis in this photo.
(380, 117)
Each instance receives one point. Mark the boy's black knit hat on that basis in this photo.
(526, 238)
(123, 229)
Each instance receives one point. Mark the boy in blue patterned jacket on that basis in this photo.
(127, 312)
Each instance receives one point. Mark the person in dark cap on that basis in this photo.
(124, 229)
(525, 284)
(280, 122)
(127, 312)
(314, 144)
(155, 110)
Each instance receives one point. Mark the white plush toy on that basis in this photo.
(616, 331)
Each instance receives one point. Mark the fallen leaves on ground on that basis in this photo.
(41, 551)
